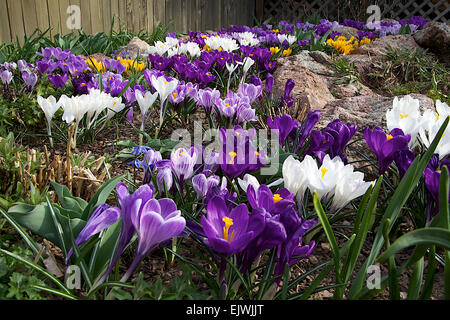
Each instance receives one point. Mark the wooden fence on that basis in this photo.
(19, 17)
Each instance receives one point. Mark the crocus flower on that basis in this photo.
(6, 77)
(309, 124)
(59, 80)
(405, 115)
(130, 114)
(350, 185)
(295, 177)
(269, 83)
(284, 124)
(183, 162)
(323, 180)
(320, 142)
(164, 176)
(49, 106)
(274, 203)
(164, 89)
(145, 102)
(103, 217)
(386, 146)
(155, 221)
(202, 184)
(226, 230)
(342, 133)
(269, 233)
(293, 249)
(30, 79)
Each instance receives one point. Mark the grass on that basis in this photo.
(412, 71)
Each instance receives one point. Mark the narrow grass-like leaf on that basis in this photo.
(38, 268)
(361, 232)
(416, 280)
(430, 236)
(109, 284)
(56, 292)
(30, 241)
(332, 241)
(429, 278)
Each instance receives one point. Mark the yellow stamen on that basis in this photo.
(389, 137)
(403, 116)
(277, 198)
(232, 156)
(228, 223)
(175, 95)
(324, 171)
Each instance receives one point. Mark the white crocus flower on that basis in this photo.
(74, 110)
(164, 89)
(405, 115)
(428, 133)
(193, 49)
(290, 39)
(296, 177)
(324, 179)
(248, 63)
(248, 180)
(350, 185)
(49, 106)
(145, 102)
(115, 106)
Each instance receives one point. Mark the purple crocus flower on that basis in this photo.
(289, 86)
(250, 91)
(131, 207)
(202, 184)
(130, 114)
(226, 230)
(403, 160)
(320, 142)
(342, 133)
(386, 146)
(59, 80)
(310, 122)
(269, 233)
(183, 161)
(284, 124)
(269, 83)
(292, 249)
(164, 176)
(103, 217)
(155, 222)
(6, 77)
(30, 79)
(276, 203)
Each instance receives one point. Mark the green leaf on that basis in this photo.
(101, 195)
(38, 219)
(416, 280)
(331, 240)
(431, 236)
(38, 268)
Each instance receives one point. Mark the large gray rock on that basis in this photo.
(435, 36)
(378, 47)
(348, 32)
(136, 47)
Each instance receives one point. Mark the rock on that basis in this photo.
(435, 36)
(321, 57)
(307, 60)
(136, 47)
(311, 90)
(378, 47)
(348, 32)
(341, 91)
